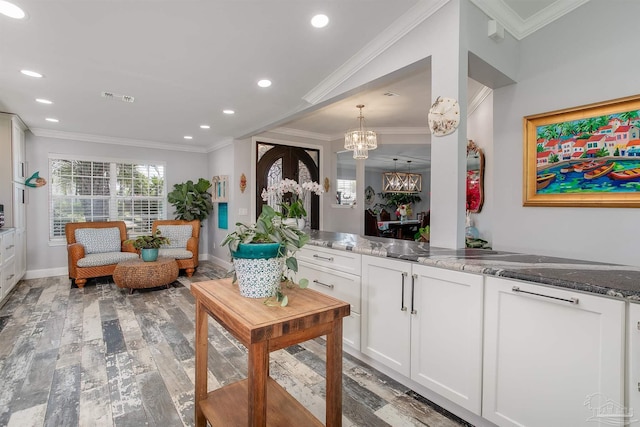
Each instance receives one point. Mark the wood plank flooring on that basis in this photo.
(101, 357)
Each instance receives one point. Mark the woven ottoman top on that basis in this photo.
(138, 274)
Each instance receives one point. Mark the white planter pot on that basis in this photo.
(258, 278)
(299, 223)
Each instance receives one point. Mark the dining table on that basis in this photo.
(402, 229)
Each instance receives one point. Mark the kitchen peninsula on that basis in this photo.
(491, 336)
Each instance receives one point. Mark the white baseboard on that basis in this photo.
(46, 272)
(221, 262)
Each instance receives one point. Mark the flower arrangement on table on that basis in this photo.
(402, 212)
(295, 207)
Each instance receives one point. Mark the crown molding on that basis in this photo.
(100, 139)
(478, 99)
(521, 28)
(220, 145)
(302, 133)
(387, 38)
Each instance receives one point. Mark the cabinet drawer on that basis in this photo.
(8, 246)
(7, 278)
(345, 287)
(345, 261)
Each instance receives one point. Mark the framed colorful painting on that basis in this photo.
(584, 156)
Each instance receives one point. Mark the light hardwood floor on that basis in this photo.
(101, 357)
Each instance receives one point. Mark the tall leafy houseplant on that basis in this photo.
(191, 201)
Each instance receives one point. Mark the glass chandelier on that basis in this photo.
(401, 182)
(360, 140)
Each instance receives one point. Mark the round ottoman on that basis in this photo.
(138, 274)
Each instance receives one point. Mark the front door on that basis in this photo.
(278, 162)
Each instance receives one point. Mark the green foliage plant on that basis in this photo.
(192, 201)
(393, 200)
(149, 242)
(269, 228)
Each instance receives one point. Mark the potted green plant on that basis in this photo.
(264, 256)
(149, 245)
(191, 201)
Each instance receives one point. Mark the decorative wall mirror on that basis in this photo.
(475, 177)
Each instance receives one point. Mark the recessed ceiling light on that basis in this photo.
(205, 127)
(228, 111)
(31, 73)
(264, 83)
(43, 101)
(188, 137)
(49, 119)
(320, 21)
(11, 10)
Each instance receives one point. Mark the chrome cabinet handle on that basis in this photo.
(402, 306)
(323, 284)
(9, 247)
(413, 287)
(571, 300)
(323, 257)
(10, 277)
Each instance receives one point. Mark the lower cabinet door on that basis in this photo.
(446, 334)
(551, 357)
(633, 363)
(386, 321)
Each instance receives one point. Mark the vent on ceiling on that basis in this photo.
(390, 94)
(123, 98)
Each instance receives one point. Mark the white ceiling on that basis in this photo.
(186, 61)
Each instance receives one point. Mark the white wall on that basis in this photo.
(45, 259)
(221, 162)
(584, 57)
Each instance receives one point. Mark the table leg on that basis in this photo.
(202, 342)
(334, 375)
(257, 376)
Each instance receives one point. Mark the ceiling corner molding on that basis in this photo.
(521, 28)
(100, 139)
(387, 38)
(220, 145)
(478, 99)
(301, 133)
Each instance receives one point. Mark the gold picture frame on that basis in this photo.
(586, 156)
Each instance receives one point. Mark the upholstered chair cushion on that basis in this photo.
(177, 235)
(105, 258)
(175, 253)
(98, 240)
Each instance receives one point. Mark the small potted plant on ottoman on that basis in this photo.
(149, 245)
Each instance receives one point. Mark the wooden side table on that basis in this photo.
(259, 400)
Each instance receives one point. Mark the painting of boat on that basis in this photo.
(625, 174)
(602, 170)
(587, 166)
(543, 181)
(567, 169)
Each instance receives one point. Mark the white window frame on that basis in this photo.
(113, 198)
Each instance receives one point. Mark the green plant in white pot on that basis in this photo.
(264, 256)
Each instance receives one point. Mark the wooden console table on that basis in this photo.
(259, 400)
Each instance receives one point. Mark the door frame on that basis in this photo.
(321, 170)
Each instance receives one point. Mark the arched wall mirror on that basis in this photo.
(475, 177)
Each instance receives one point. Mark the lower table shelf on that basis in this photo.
(227, 406)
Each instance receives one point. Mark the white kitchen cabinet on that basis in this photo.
(386, 319)
(426, 324)
(8, 276)
(446, 334)
(552, 357)
(13, 196)
(633, 361)
(326, 274)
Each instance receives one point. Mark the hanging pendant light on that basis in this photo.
(401, 182)
(360, 140)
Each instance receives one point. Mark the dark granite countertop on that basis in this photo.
(613, 280)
